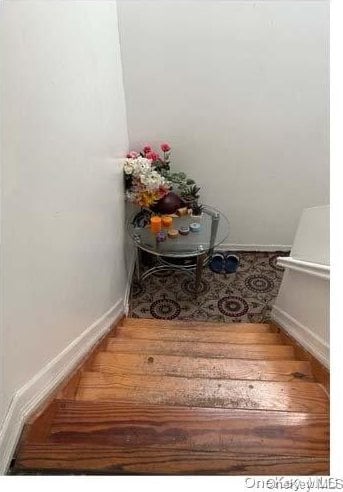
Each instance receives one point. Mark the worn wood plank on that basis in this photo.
(243, 431)
(39, 429)
(319, 371)
(147, 460)
(202, 349)
(200, 325)
(195, 367)
(197, 335)
(258, 395)
(69, 390)
(174, 397)
(98, 348)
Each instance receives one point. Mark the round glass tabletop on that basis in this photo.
(214, 229)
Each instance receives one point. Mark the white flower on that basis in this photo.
(137, 166)
(128, 166)
(152, 180)
(143, 161)
(144, 177)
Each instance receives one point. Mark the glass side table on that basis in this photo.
(198, 246)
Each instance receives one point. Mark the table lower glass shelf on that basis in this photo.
(186, 252)
(192, 266)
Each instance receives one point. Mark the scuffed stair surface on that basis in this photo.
(199, 325)
(199, 367)
(204, 392)
(161, 397)
(202, 349)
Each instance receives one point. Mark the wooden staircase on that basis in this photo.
(172, 397)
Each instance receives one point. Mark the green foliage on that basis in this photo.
(162, 167)
(181, 184)
(186, 187)
(197, 209)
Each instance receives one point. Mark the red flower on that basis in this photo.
(152, 156)
(147, 149)
(165, 147)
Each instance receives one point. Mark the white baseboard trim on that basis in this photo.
(303, 334)
(253, 247)
(30, 396)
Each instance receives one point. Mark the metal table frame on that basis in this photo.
(163, 264)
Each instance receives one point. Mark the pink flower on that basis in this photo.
(152, 156)
(165, 147)
(132, 154)
(147, 149)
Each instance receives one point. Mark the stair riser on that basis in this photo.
(199, 326)
(199, 349)
(195, 336)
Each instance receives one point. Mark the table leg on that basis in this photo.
(138, 264)
(214, 229)
(198, 273)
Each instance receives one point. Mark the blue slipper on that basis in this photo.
(231, 263)
(217, 263)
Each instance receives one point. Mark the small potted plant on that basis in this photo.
(197, 210)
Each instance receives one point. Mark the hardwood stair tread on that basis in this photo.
(199, 325)
(205, 335)
(122, 423)
(191, 367)
(60, 457)
(258, 395)
(202, 349)
(184, 397)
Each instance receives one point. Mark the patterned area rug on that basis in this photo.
(245, 296)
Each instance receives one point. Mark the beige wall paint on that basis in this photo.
(64, 133)
(241, 91)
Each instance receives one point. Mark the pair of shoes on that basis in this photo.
(224, 263)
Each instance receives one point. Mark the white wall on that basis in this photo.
(240, 90)
(312, 239)
(303, 303)
(62, 200)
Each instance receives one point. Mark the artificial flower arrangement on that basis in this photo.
(150, 183)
